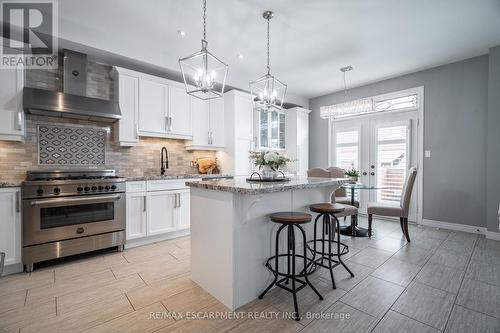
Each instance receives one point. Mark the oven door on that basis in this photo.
(55, 219)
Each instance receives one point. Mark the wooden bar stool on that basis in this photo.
(291, 221)
(327, 258)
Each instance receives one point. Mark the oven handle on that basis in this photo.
(97, 199)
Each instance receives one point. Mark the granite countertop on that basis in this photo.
(180, 176)
(241, 186)
(10, 183)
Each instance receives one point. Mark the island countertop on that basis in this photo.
(242, 186)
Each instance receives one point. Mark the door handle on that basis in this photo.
(372, 173)
(365, 173)
(372, 166)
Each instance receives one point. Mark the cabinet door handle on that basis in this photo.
(18, 201)
(166, 124)
(19, 124)
(179, 196)
(170, 124)
(137, 131)
(145, 203)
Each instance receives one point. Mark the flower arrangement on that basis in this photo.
(353, 174)
(269, 159)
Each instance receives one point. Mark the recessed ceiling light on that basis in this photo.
(181, 33)
(240, 56)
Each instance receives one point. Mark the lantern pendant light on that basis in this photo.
(268, 93)
(203, 73)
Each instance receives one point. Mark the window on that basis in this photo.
(271, 130)
(347, 149)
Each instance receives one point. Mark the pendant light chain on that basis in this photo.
(268, 57)
(205, 20)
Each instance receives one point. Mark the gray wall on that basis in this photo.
(455, 113)
(493, 140)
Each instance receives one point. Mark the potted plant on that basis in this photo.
(353, 174)
(269, 162)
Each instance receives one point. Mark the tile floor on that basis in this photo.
(442, 281)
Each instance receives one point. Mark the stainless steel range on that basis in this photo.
(71, 212)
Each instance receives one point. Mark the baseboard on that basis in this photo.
(153, 239)
(12, 269)
(454, 226)
(493, 235)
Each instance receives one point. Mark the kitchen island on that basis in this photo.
(232, 236)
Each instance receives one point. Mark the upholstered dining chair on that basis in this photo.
(349, 209)
(400, 210)
(340, 194)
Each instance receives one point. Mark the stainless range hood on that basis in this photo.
(72, 103)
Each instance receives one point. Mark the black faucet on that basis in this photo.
(164, 161)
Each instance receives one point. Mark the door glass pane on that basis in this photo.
(274, 130)
(282, 131)
(347, 149)
(263, 129)
(54, 217)
(391, 155)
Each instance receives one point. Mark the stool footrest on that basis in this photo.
(344, 248)
(279, 283)
(285, 275)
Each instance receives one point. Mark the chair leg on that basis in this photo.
(407, 233)
(401, 222)
(370, 219)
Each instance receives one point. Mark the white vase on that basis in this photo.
(269, 173)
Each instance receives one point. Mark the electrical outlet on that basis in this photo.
(427, 153)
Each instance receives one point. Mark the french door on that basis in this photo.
(382, 147)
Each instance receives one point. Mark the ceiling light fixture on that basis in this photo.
(202, 69)
(181, 33)
(348, 108)
(240, 56)
(268, 93)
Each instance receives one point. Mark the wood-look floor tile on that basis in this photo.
(82, 318)
(22, 281)
(159, 290)
(396, 323)
(424, 242)
(68, 286)
(481, 297)
(463, 237)
(371, 257)
(484, 272)
(183, 242)
(440, 277)
(24, 316)
(341, 318)
(180, 254)
(373, 296)
(190, 300)
(85, 267)
(425, 304)
(397, 271)
(389, 244)
(12, 301)
(488, 254)
(126, 269)
(148, 319)
(458, 247)
(450, 258)
(436, 233)
(97, 293)
(413, 255)
(170, 269)
(148, 252)
(342, 277)
(463, 320)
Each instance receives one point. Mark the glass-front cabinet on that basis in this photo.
(271, 130)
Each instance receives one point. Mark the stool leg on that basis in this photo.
(330, 240)
(338, 246)
(291, 239)
(306, 276)
(289, 255)
(323, 237)
(276, 264)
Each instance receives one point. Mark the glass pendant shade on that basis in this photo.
(203, 73)
(268, 93)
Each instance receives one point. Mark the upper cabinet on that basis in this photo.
(11, 108)
(208, 124)
(150, 106)
(297, 139)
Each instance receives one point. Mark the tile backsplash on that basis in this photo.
(144, 159)
(70, 145)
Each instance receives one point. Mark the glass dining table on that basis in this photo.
(353, 229)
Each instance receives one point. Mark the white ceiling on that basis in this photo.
(310, 40)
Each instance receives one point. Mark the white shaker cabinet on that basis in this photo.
(161, 212)
(179, 113)
(10, 225)
(183, 210)
(297, 139)
(11, 108)
(208, 124)
(153, 106)
(126, 89)
(136, 215)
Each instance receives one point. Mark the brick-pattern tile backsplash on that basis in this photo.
(144, 159)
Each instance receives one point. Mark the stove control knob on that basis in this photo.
(94, 188)
(39, 191)
(79, 188)
(113, 187)
(106, 187)
(57, 190)
(100, 188)
(86, 188)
